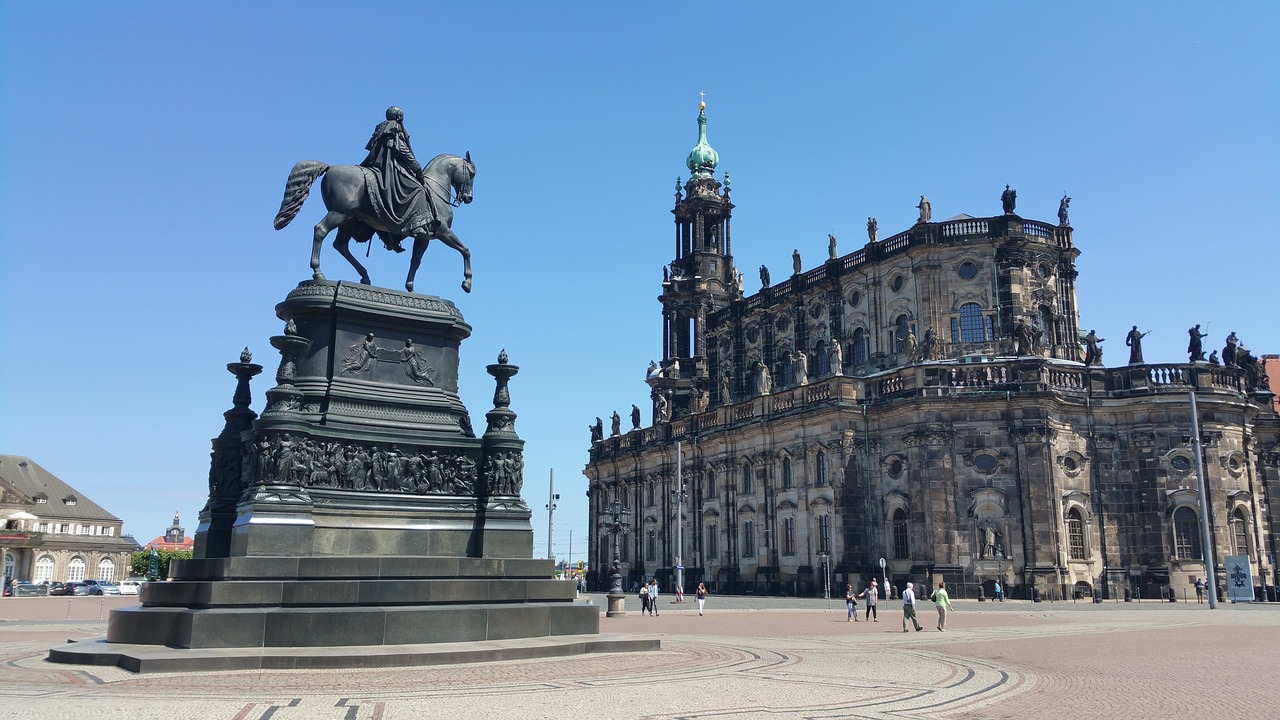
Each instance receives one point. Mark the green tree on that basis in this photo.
(140, 562)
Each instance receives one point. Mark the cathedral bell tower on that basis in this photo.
(701, 280)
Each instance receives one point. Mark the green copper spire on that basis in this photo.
(702, 158)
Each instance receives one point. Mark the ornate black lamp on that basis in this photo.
(616, 521)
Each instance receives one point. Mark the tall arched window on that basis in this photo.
(651, 546)
(747, 486)
(824, 533)
(1239, 532)
(822, 468)
(901, 549)
(75, 569)
(786, 474)
(971, 326)
(107, 569)
(902, 326)
(823, 358)
(1186, 534)
(44, 569)
(711, 485)
(1075, 534)
(859, 346)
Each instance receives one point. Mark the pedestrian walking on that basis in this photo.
(999, 592)
(644, 599)
(943, 603)
(701, 594)
(653, 596)
(1199, 590)
(872, 595)
(909, 609)
(851, 603)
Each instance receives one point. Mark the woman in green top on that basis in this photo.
(943, 603)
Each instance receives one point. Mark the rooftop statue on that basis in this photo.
(1008, 199)
(1093, 348)
(390, 194)
(1195, 347)
(1062, 211)
(926, 209)
(1134, 341)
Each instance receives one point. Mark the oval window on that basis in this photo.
(1069, 464)
(985, 463)
(1180, 463)
(896, 283)
(855, 298)
(968, 270)
(895, 467)
(1044, 270)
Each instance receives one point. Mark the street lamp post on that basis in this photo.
(615, 522)
(679, 494)
(826, 575)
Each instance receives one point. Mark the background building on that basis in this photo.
(174, 539)
(52, 532)
(923, 400)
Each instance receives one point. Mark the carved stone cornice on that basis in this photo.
(1034, 434)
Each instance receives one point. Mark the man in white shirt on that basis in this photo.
(909, 609)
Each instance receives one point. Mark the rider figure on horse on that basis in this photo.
(399, 193)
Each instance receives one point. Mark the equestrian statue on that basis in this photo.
(390, 194)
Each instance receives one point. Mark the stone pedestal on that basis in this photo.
(617, 606)
(364, 510)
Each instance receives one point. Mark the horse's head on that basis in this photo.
(462, 177)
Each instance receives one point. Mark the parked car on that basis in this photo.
(108, 587)
(84, 588)
(58, 588)
(24, 588)
(130, 587)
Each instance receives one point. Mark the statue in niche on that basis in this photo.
(1008, 200)
(837, 358)
(698, 401)
(662, 407)
(1195, 347)
(764, 380)
(909, 346)
(832, 251)
(764, 277)
(1036, 335)
(991, 541)
(360, 357)
(926, 209)
(795, 261)
(726, 386)
(1062, 211)
(635, 417)
(929, 347)
(1022, 338)
(415, 366)
(801, 359)
(873, 230)
(616, 427)
(1229, 350)
(1134, 341)
(1093, 348)
(1213, 358)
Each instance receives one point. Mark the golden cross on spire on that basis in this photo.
(702, 100)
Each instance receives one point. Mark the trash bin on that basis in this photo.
(1035, 594)
(1128, 594)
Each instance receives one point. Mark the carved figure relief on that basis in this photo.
(285, 459)
(415, 366)
(360, 357)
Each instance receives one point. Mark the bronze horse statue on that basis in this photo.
(345, 190)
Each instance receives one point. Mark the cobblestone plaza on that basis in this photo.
(746, 658)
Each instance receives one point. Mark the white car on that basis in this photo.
(130, 587)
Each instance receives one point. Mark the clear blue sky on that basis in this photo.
(144, 149)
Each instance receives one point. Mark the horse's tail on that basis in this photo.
(297, 189)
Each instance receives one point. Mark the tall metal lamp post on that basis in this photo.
(679, 495)
(615, 522)
(826, 575)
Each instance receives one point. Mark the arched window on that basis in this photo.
(713, 543)
(822, 468)
(971, 326)
(75, 569)
(1075, 534)
(824, 533)
(823, 358)
(1186, 534)
(747, 485)
(748, 541)
(711, 485)
(44, 569)
(901, 550)
(859, 349)
(107, 569)
(786, 474)
(651, 546)
(789, 536)
(1239, 532)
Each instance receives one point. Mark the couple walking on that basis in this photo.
(649, 598)
(939, 599)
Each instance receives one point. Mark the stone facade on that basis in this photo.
(953, 432)
(52, 532)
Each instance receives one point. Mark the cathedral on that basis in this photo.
(925, 408)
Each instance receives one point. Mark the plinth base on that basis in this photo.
(152, 658)
(617, 606)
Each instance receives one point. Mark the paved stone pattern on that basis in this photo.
(746, 658)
